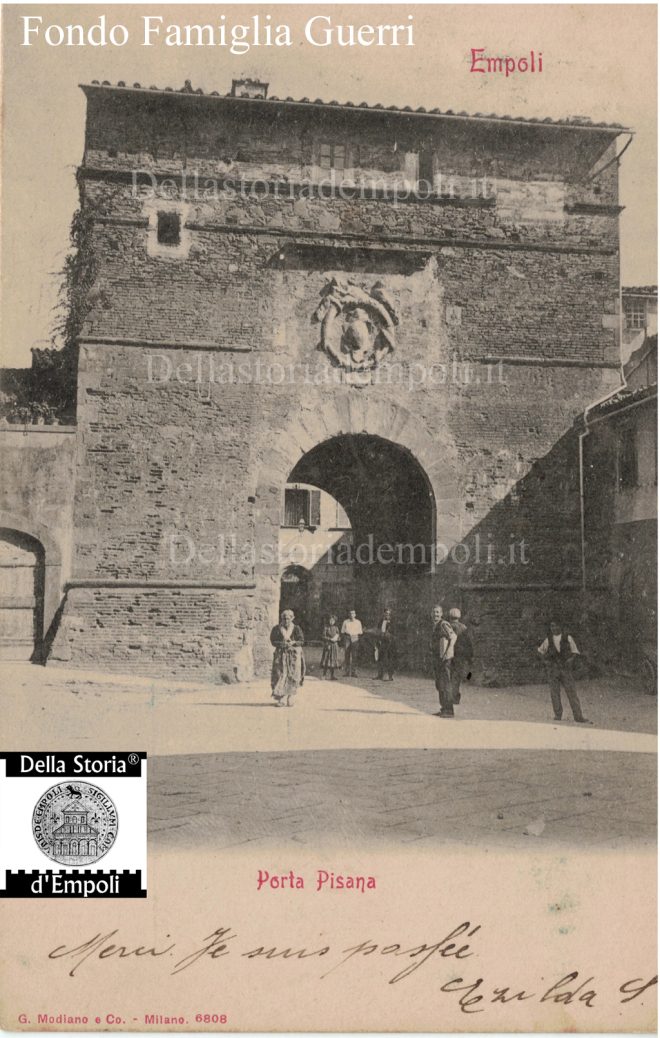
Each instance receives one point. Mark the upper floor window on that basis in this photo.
(635, 312)
(169, 229)
(332, 156)
(167, 237)
(627, 458)
(302, 506)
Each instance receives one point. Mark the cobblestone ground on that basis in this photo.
(358, 761)
(426, 796)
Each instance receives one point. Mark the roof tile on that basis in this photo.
(580, 121)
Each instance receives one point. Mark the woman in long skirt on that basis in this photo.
(288, 671)
(330, 654)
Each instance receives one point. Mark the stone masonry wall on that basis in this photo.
(201, 385)
(37, 478)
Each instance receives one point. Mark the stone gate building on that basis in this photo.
(406, 309)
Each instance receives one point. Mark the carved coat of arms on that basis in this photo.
(357, 327)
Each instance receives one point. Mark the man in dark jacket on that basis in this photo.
(386, 646)
(463, 654)
(558, 652)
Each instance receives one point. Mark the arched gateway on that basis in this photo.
(398, 487)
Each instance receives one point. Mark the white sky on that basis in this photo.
(599, 60)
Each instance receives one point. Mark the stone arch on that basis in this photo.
(52, 560)
(333, 417)
(353, 414)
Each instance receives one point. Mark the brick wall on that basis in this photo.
(159, 630)
(227, 293)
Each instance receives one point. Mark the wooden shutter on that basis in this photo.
(315, 508)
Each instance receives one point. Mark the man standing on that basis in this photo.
(443, 639)
(386, 646)
(558, 652)
(463, 654)
(351, 630)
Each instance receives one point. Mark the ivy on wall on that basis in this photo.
(45, 393)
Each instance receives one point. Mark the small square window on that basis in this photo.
(169, 229)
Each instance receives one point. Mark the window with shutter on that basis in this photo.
(315, 508)
(342, 520)
(296, 506)
(332, 156)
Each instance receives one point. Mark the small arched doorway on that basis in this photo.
(21, 595)
(294, 594)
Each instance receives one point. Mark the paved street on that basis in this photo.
(357, 761)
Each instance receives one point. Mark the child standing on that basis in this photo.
(330, 654)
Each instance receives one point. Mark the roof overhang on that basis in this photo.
(186, 96)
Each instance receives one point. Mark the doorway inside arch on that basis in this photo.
(294, 594)
(380, 554)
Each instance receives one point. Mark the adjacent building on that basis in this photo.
(621, 512)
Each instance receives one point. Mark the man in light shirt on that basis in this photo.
(351, 630)
(558, 652)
